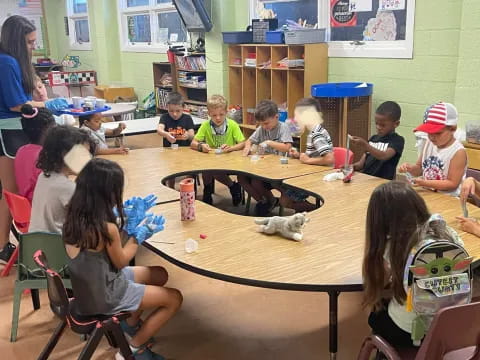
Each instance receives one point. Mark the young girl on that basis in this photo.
(397, 222)
(101, 279)
(54, 189)
(93, 125)
(35, 123)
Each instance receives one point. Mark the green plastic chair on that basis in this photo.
(29, 275)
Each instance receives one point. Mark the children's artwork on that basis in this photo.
(360, 5)
(383, 27)
(391, 5)
(289, 227)
(340, 14)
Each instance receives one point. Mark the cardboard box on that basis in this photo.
(111, 93)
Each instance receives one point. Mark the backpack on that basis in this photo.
(438, 275)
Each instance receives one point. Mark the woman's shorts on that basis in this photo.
(11, 141)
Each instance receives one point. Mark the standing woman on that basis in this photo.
(17, 41)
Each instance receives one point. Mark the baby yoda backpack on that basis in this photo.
(438, 275)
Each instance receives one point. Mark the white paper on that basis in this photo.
(162, 35)
(391, 5)
(360, 5)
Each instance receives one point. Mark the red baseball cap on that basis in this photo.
(437, 117)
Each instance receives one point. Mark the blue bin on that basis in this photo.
(275, 37)
(340, 90)
(237, 37)
(282, 115)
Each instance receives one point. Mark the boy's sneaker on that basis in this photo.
(141, 353)
(7, 252)
(236, 191)
(207, 194)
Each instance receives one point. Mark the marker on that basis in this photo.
(464, 208)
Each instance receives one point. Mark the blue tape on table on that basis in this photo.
(84, 113)
(343, 89)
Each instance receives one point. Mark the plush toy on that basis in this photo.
(289, 227)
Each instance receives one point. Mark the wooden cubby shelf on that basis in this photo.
(285, 86)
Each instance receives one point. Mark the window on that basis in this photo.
(78, 25)
(355, 28)
(150, 25)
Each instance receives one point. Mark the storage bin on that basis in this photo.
(237, 37)
(282, 115)
(307, 36)
(260, 28)
(111, 93)
(275, 37)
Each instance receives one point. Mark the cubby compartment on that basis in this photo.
(264, 57)
(249, 94)
(279, 86)
(279, 53)
(249, 54)
(235, 56)
(264, 85)
(295, 83)
(235, 85)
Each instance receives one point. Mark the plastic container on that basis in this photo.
(275, 37)
(187, 199)
(260, 28)
(282, 115)
(237, 37)
(307, 36)
(340, 90)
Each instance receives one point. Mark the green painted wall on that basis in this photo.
(446, 63)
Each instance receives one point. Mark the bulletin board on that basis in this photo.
(33, 11)
(364, 20)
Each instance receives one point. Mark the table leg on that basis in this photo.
(333, 323)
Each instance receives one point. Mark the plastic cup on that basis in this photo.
(174, 146)
(191, 246)
(100, 103)
(92, 100)
(77, 102)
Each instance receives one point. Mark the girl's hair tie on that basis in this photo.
(35, 113)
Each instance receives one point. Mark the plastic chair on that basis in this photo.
(340, 154)
(453, 335)
(29, 276)
(20, 210)
(63, 308)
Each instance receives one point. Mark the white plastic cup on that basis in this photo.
(92, 100)
(174, 146)
(100, 103)
(191, 246)
(77, 102)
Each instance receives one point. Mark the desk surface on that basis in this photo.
(329, 257)
(143, 126)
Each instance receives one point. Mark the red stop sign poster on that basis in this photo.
(340, 14)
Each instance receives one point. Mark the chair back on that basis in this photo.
(20, 209)
(51, 245)
(57, 293)
(453, 328)
(340, 155)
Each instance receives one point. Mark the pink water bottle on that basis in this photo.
(187, 199)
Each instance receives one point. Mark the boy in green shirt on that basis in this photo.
(219, 133)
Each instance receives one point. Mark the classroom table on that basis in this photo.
(329, 259)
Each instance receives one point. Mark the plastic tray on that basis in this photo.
(340, 90)
(84, 113)
(237, 37)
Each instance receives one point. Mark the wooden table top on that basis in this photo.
(329, 257)
(145, 168)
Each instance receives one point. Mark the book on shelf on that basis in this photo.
(161, 96)
(191, 62)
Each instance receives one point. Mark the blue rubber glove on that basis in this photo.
(55, 105)
(149, 227)
(135, 210)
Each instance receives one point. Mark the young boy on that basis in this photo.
(443, 162)
(221, 133)
(382, 152)
(274, 137)
(175, 126)
(92, 124)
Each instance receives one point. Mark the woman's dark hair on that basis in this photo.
(14, 43)
(99, 189)
(35, 127)
(59, 141)
(394, 216)
(309, 102)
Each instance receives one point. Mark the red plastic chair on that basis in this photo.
(340, 154)
(453, 335)
(20, 209)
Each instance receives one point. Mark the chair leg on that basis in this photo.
(53, 341)
(247, 205)
(280, 210)
(17, 298)
(120, 340)
(11, 262)
(92, 344)
(35, 299)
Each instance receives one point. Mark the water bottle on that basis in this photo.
(187, 199)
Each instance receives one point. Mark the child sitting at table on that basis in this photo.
(319, 150)
(443, 163)
(382, 152)
(176, 127)
(35, 124)
(273, 137)
(102, 281)
(397, 222)
(470, 186)
(93, 125)
(54, 189)
(224, 135)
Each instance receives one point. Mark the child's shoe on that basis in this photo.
(236, 192)
(207, 194)
(141, 353)
(131, 331)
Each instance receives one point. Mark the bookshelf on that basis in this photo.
(265, 71)
(164, 81)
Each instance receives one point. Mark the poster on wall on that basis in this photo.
(340, 14)
(386, 5)
(360, 5)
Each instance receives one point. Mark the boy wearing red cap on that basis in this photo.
(443, 163)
